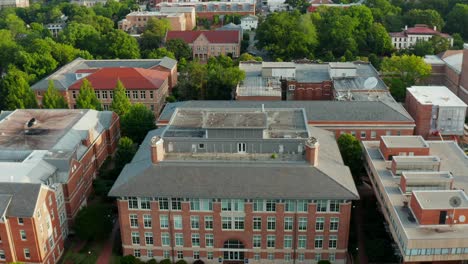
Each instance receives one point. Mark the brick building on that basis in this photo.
(236, 186)
(450, 69)
(420, 187)
(30, 228)
(410, 36)
(148, 81)
(62, 147)
(214, 8)
(436, 111)
(14, 3)
(205, 44)
(135, 22)
(365, 120)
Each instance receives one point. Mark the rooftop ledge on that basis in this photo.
(273, 157)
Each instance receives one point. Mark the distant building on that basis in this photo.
(147, 81)
(436, 111)
(236, 186)
(231, 26)
(314, 4)
(366, 120)
(275, 5)
(205, 44)
(420, 32)
(450, 69)
(188, 11)
(136, 21)
(214, 8)
(55, 28)
(14, 3)
(88, 3)
(421, 188)
(249, 22)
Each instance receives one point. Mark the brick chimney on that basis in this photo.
(157, 149)
(312, 149)
(464, 69)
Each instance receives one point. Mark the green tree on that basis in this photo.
(137, 122)
(181, 261)
(179, 48)
(165, 261)
(81, 36)
(379, 40)
(422, 48)
(154, 33)
(457, 20)
(351, 151)
(93, 222)
(457, 42)
(8, 49)
(408, 68)
(15, 92)
(248, 57)
(300, 5)
(429, 17)
(151, 261)
(440, 44)
(222, 78)
(288, 35)
(191, 83)
(159, 53)
(86, 98)
(120, 102)
(118, 44)
(53, 99)
(126, 149)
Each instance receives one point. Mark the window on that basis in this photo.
(20, 221)
(270, 205)
(23, 234)
(271, 256)
(318, 256)
(232, 205)
(241, 147)
(163, 204)
(98, 95)
(373, 134)
(334, 222)
(27, 255)
(239, 223)
(331, 256)
(288, 223)
(166, 254)
(291, 87)
(257, 256)
(195, 204)
(302, 223)
(147, 222)
(149, 238)
(2, 255)
(196, 255)
(177, 221)
(271, 223)
(257, 223)
(398, 133)
(149, 253)
(257, 241)
(145, 203)
(271, 241)
(209, 240)
(143, 94)
(318, 241)
(104, 94)
(165, 239)
(74, 94)
(302, 241)
(195, 240)
(321, 205)
(287, 242)
(163, 221)
(135, 238)
(226, 222)
(319, 224)
(332, 241)
(151, 94)
(136, 253)
(111, 94)
(135, 94)
(176, 204)
(290, 206)
(180, 254)
(388, 133)
(353, 133)
(133, 220)
(363, 134)
(334, 206)
(208, 222)
(132, 203)
(209, 255)
(258, 205)
(194, 222)
(179, 240)
(287, 257)
(301, 257)
(152, 107)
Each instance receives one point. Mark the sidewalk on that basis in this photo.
(106, 253)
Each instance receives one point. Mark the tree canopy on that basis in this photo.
(93, 222)
(15, 91)
(53, 99)
(86, 98)
(120, 102)
(179, 48)
(154, 33)
(137, 122)
(351, 151)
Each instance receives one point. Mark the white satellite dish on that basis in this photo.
(455, 201)
(462, 218)
(370, 83)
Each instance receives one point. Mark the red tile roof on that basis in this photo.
(132, 78)
(419, 29)
(213, 36)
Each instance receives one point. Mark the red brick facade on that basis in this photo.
(421, 114)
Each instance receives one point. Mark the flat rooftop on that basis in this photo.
(445, 175)
(416, 159)
(440, 199)
(435, 95)
(278, 123)
(404, 142)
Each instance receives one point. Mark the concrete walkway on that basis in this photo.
(106, 253)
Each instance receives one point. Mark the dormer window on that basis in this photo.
(241, 147)
(201, 146)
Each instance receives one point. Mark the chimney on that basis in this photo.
(157, 149)
(312, 149)
(406, 27)
(435, 28)
(464, 69)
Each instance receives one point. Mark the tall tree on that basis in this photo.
(15, 92)
(53, 99)
(86, 98)
(457, 20)
(351, 151)
(118, 44)
(126, 149)
(429, 17)
(120, 102)
(137, 122)
(154, 33)
(159, 53)
(179, 48)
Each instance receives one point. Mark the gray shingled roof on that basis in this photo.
(23, 198)
(277, 180)
(315, 110)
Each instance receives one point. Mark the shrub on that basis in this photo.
(165, 261)
(323, 262)
(181, 261)
(198, 261)
(152, 261)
